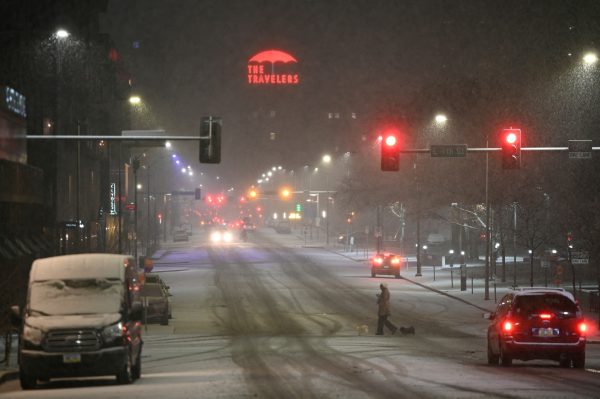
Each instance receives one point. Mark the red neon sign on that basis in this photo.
(258, 75)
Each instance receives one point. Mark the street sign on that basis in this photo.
(449, 151)
(580, 257)
(183, 193)
(580, 149)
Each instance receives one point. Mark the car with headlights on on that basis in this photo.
(537, 323)
(386, 263)
(221, 236)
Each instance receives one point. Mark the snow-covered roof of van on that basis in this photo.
(79, 266)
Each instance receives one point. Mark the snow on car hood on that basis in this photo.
(46, 323)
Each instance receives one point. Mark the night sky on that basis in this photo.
(362, 57)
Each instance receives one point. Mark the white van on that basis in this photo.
(82, 318)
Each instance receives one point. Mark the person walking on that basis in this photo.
(383, 303)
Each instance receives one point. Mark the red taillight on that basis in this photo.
(379, 261)
(545, 316)
(395, 261)
(507, 326)
(582, 328)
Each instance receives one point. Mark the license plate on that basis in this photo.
(545, 332)
(72, 358)
(386, 267)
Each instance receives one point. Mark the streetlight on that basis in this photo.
(590, 58)
(441, 119)
(326, 158)
(135, 100)
(62, 34)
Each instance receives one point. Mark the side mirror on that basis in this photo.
(137, 311)
(15, 316)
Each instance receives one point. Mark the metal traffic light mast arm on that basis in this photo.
(493, 149)
(113, 138)
(199, 138)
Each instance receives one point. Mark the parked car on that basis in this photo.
(180, 235)
(386, 263)
(283, 227)
(154, 278)
(81, 319)
(156, 302)
(537, 323)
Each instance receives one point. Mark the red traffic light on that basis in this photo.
(390, 152)
(390, 140)
(510, 137)
(511, 148)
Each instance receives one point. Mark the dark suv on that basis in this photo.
(537, 323)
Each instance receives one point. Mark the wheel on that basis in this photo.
(164, 320)
(491, 358)
(505, 358)
(27, 381)
(136, 370)
(125, 375)
(579, 360)
(565, 362)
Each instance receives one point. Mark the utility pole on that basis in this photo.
(136, 166)
(515, 244)
(486, 295)
(418, 274)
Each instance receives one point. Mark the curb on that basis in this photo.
(9, 375)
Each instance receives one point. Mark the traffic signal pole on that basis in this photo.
(486, 295)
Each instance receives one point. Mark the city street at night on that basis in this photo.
(280, 199)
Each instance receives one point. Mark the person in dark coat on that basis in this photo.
(383, 303)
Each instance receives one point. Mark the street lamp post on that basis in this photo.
(136, 165)
(418, 274)
(486, 295)
(148, 211)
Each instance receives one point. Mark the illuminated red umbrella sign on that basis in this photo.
(272, 56)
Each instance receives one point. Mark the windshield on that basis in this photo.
(534, 304)
(73, 297)
(151, 290)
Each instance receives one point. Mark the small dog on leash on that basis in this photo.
(407, 330)
(362, 329)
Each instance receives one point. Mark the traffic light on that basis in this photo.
(210, 139)
(511, 148)
(390, 152)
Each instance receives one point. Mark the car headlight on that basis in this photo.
(32, 335)
(215, 236)
(112, 332)
(227, 237)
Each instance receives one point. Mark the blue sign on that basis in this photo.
(15, 101)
